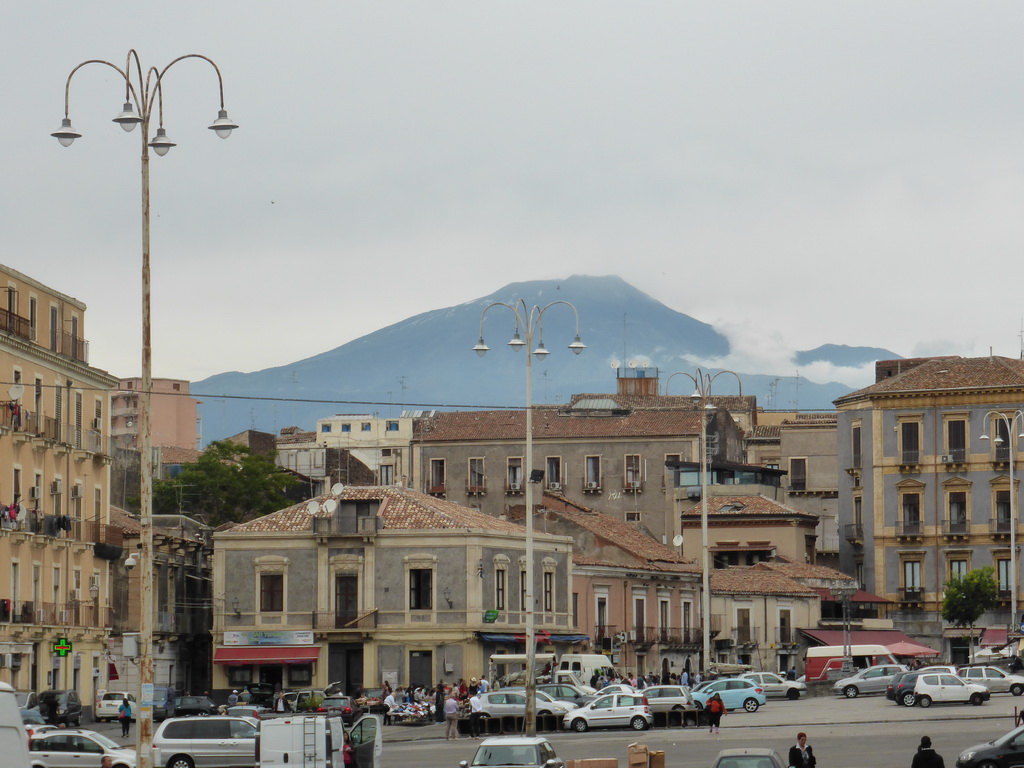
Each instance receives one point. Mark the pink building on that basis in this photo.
(174, 414)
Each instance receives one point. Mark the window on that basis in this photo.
(549, 591)
(437, 475)
(957, 511)
(1003, 575)
(522, 590)
(346, 427)
(499, 589)
(1002, 511)
(632, 470)
(554, 471)
(910, 442)
(856, 446)
(420, 589)
(387, 474)
(798, 474)
(956, 439)
(365, 426)
(858, 510)
(476, 474)
(325, 428)
(271, 592)
(391, 426)
(514, 473)
(786, 626)
(33, 312)
(911, 504)
(593, 472)
(912, 576)
(958, 567)
(1002, 440)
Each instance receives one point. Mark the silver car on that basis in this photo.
(516, 752)
(994, 679)
(871, 680)
(77, 747)
(665, 698)
(205, 742)
(512, 701)
(776, 686)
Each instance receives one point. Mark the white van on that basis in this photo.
(586, 665)
(13, 737)
(316, 741)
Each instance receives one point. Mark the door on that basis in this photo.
(602, 711)
(367, 741)
(994, 680)
(952, 688)
(240, 749)
(210, 743)
(421, 668)
(346, 600)
(85, 752)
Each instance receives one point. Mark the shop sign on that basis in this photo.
(269, 637)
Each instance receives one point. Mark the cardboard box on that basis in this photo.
(657, 759)
(638, 756)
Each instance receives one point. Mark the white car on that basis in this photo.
(106, 708)
(73, 747)
(512, 701)
(617, 688)
(943, 687)
(776, 686)
(515, 752)
(613, 710)
(994, 679)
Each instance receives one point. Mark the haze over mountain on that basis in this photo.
(427, 361)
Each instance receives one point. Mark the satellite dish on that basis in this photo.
(330, 505)
(337, 488)
(632, 363)
(677, 540)
(616, 364)
(16, 391)
(312, 507)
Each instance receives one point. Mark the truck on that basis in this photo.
(507, 669)
(315, 740)
(823, 659)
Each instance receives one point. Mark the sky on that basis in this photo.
(794, 173)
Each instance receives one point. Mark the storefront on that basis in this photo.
(284, 659)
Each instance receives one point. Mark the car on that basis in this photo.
(26, 699)
(208, 742)
(184, 706)
(617, 688)
(66, 748)
(749, 757)
(1006, 751)
(107, 706)
(901, 688)
(34, 722)
(668, 698)
(163, 702)
(515, 752)
(736, 692)
(948, 668)
(247, 710)
(612, 710)
(994, 679)
(942, 687)
(61, 707)
(776, 686)
(512, 701)
(258, 694)
(871, 680)
(297, 700)
(569, 693)
(345, 706)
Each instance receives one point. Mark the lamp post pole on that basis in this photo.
(142, 96)
(529, 318)
(844, 591)
(701, 393)
(1014, 424)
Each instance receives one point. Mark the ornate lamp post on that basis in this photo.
(529, 319)
(1014, 424)
(142, 96)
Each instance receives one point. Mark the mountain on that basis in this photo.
(843, 355)
(432, 353)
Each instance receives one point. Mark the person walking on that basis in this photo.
(800, 754)
(232, 698)
(451, 715)
(927, 757)
(716, 708)
(280, 704)
(439, 703)
(475, 713)
(124, 716)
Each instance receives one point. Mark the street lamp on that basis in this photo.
(142, 97)
(701, 393)
(844, 591)
(529, 319)
(1014, 424)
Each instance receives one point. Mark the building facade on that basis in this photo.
(174, 412)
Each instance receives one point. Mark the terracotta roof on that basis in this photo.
(121, 519)
(400, 509)
(744, 506)
(752, 581)
(296, 437)
(797, 570)
(946, 374)
(676, 402)
(551, 423)
(172, 454)
(764, 432)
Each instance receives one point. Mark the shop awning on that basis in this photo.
(493, 637)
(884, 637)
(255, 654)
(994, 638)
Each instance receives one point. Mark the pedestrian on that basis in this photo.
(927, 757)
(473, 687)
(392, 704)
(484, 686)
(439, 703)
(232, 698)
(686, 678)
(594, 679)
(451, 715)
(800, 754)
(716, 708)
(280, 705)
(124, 716)
(347, 751)
(791, 675)
(475, 713)
(463, 690)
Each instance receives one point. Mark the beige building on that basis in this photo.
(174, 414)
(56, 544)
(382, 444)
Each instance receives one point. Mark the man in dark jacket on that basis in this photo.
(800, 754)
(927, 757)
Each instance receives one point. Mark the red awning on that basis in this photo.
(256, 654)
(860, 596)
(994, 638)
(884, 637)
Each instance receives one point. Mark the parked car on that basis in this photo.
(737, 693)
(76, 747)
(107, 707)
(901, 688)
(617, 688)
(26, 699)
(776, 686)
(247, 710)
(568, 693)
(61, 707)
(749, 757)
(515, 752)
(948, 668)
(185, 706)
(666, 698)
(208, 742)
(994, 679)
(296, 700)
(512, 701)
(940, 687)
(613, 710)
(345, 706)
(34, 722)
(163, 702)
(1004, 752)
(871, 680)
(260, 694)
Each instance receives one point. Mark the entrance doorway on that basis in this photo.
(421, 668)
(345, 666)
(272, 675)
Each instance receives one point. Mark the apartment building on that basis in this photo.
(382, 444)
(56, 544)
(175, 419)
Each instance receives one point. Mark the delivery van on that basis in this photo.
(13, 737)
(316, 741)
(822, 659)
(586, 665)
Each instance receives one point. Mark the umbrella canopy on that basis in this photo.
(903, 648)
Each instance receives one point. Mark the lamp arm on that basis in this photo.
(67, 85)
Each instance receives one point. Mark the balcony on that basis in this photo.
(477, 488)
(347, 621)
(604, 635)
(745, 635)
(854, 533)
(956, 529)
(785, 636)
(912, 595)
(437, 490)
(513, 489)
(592, 486)
(633, 486)
(955, 456)
(999, 528)
(909, 529)
(63, 343)
(71, 614)
(183, 622)
(347, 525)
(16, 324)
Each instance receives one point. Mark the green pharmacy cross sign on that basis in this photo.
(490, 617)
(62, 647)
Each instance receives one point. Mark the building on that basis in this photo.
(320, 466)
(379, 583)
(382, 444)
(174, 414)
(56, 544)
(924, 486)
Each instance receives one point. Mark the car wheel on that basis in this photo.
(638, 723)
(925, 702)
(792, 694)
(1017, 689)
(181, 761)
(579, 725)
(677, 708)
(909, 699)
(542, 713)
(751, 705)
(977, 699)
(988, 764)
(850, 691)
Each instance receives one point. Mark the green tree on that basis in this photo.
(968, 597)
(229, 483)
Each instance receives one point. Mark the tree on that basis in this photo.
(229, 483)
(968, 597)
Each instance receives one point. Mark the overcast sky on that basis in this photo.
(794, 173)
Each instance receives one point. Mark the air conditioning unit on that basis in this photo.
(630, 636)
(56, 488)
(591, 486)
(515, 486)
(621, 636)
(35, 492)
(947, 459)
(76, 492)
(554, 486)
(97, 423)
(634, 483)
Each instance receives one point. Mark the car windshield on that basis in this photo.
(99, 738)
(745, 761)
(507, 754)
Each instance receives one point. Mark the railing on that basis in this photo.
(912, 594)
(910, 456)
(1000, 525)
(957, 455)
(745, 634)
(956, 527)
(71, 613)
(798, 484)
(65, 344)
(15, 324)
(785, 635)
(603, 631)
(347, 525)
(476, 488)
(347, 620)
(909, 527)
(436, 490)
(64, 527)
(1002, 453)
(854, 532)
